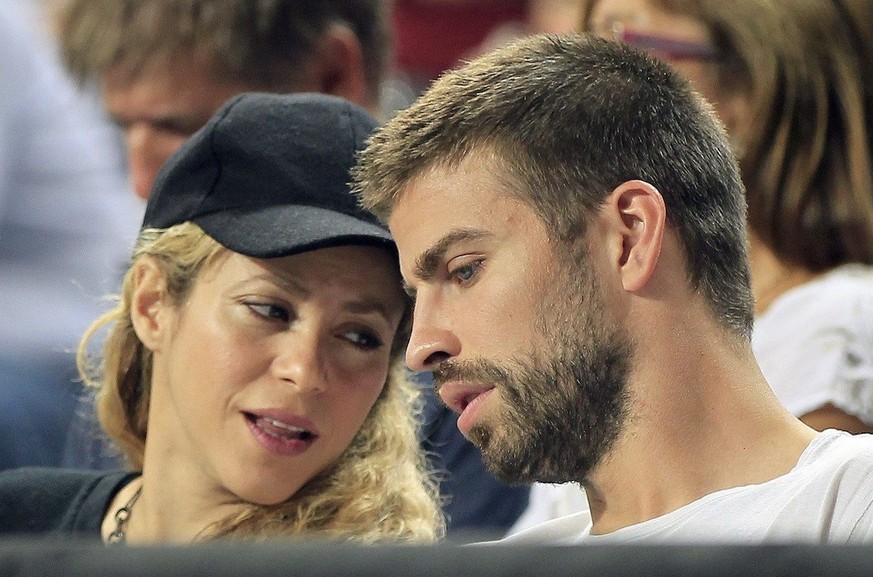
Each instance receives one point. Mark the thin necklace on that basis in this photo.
(121, 517)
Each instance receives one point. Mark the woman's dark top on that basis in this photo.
(44, 500)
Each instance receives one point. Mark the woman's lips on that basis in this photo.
(281, 435)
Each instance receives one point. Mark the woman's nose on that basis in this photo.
(300, 361)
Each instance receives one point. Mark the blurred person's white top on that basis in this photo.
(815, 343)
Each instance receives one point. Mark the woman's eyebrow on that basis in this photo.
(364, 304)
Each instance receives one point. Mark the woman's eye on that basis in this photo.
(270, 311)
(363, 339)
(465, 273)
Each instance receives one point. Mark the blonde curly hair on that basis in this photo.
(379, 489)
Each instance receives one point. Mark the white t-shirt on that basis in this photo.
(826, 498)
(815, 343)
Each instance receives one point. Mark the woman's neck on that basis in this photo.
(167, 510)
(771, 277)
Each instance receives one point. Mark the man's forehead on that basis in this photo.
(173, 92)
(173, 72)
(451, 207)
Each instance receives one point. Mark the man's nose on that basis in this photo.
(432, 339)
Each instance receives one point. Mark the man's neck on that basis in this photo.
(702, 419)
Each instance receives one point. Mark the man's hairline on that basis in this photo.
(129, 70)
(451, 160)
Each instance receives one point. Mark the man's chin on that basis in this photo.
(496, 456)
(480, 435)
(515, 464)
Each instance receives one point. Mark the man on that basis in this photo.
(165, 66)
(571, 223)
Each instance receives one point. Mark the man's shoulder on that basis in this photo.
(840, 467)
(839, 448)
(836, 459)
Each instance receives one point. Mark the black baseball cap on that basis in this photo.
(268, 176)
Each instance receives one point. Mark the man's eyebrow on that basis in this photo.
(178, 123)
(430, 260)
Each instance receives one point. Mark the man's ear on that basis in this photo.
(149, 305)
(338, 66)
(636, 215)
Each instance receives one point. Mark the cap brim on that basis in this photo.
(290, 229)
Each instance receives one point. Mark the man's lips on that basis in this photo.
(457, 396)
(467, 400)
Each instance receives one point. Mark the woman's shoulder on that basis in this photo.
(49, 483)
(40, 500)
(841, 297)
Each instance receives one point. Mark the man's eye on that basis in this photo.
(465, 273)
(270, 311)
(363, 339)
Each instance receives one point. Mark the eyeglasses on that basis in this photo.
(660, 46)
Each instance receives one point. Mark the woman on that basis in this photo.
(252, 371)
(793, 83)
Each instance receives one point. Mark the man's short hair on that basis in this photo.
(569, 118)
(263, 43)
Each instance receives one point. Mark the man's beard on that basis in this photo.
(560, 413)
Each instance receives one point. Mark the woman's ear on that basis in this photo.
(149, 306)
(639, 219)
